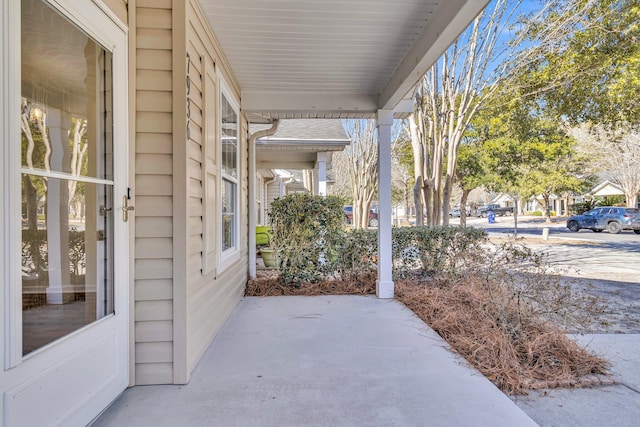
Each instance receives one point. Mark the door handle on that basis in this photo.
(126, 208)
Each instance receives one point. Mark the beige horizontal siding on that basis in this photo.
(153, 289)
(154, 373)
(154, 183)
(212, 297)
(152, 38)
(154, 227)
(154, 18)
(154, 248)
(151, 121)
(195, 149)
(154, 80)
(154, 101)
(194, 265)
(156, 331)
(154, 206)
(153, 4)
(195, 206)
(195, 189)
(154, 59)
(154, 164)
(194, 169)
(154, 143)
(153, 310)
(195, 247)
(153, 268)
(195, 226)
(154, 352)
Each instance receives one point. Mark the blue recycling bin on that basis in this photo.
(491, 216)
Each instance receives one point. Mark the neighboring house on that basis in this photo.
(560, 204)
(296, 158)
(503, 200)
(535, 203)
(606, 189)
(130, 121)
(275, 183)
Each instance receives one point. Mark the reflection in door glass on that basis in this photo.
(67, 178)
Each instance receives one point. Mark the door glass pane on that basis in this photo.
(66, 251)
(67, 173)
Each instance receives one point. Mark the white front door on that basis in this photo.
(63, 199)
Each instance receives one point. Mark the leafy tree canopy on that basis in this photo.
(587, 64)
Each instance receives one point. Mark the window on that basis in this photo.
(229, 172)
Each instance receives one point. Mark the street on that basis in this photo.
(533, 226)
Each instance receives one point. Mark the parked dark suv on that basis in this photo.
(614, 219)
(348, 216)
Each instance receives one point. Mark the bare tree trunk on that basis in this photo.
(417, 202)
(406, 201)
(446, 100)
(463, 207)
(515, 215)
(363, 167)
(547, 207)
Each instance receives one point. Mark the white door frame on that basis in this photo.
(29, 385)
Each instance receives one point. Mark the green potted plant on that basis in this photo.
(267, 248)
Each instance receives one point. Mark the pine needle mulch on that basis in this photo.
(269, 284)
(482, 325)
(487, 329)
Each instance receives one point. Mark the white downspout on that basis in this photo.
(252, 192)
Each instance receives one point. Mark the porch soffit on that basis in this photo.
(298, 59)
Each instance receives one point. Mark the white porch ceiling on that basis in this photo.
(333, 58)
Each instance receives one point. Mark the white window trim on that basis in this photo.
(232, 255)
(211, 113)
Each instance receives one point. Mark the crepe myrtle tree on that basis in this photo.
(487, 54)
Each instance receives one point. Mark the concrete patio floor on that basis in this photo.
(322, 361)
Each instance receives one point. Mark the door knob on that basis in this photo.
(126, 208)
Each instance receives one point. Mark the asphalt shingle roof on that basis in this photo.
(306, 129)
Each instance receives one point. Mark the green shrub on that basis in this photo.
(358, 254)
(533, 213)
(306, 233)
(580, 208)
(312, 245)
(420, 250)
(616, 200)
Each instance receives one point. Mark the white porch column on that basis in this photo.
(252, 208)
(384, 285)
(320, 178)
(60, 290)
(314, 179)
